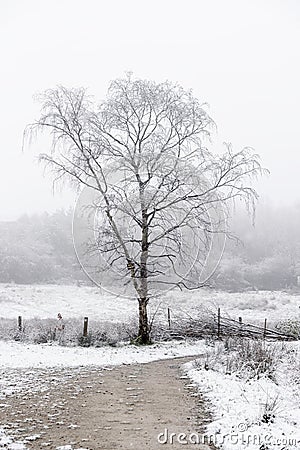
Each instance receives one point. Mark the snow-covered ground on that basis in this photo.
(46, 301)
(253, 413)
(16, 354)
(17, 381)
(238, 404)
(7, 443)
(47, 358)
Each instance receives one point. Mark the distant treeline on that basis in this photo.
(39, 249)
(268, 256)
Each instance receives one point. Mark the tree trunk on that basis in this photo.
(144, 332)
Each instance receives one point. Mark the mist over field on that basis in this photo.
(39, 249)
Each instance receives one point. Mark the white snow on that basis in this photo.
(7, 442)
(238, 406)
(15, 354)
(69, 447)
(46, 301)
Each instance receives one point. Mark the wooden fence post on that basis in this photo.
(219, 323)
(85, 326)
(20, 323)
(240, 323)
(265, 329)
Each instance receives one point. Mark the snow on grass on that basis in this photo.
(253, 413)
(16, 354)
(46, 301)
(253, 306)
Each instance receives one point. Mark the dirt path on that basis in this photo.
(125, 407)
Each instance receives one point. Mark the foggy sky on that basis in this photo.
(242, 57)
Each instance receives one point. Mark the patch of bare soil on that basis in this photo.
(123, 407)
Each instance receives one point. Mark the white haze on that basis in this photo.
(242, 57)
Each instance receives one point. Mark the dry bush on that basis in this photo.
(41, 331)
(245, 357)
(289, 326)
(270, 409)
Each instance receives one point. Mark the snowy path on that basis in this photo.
(124, 407)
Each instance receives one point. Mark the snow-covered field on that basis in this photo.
(47, 300)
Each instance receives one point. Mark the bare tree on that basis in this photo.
(159, 188)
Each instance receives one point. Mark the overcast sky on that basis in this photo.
(242, 57)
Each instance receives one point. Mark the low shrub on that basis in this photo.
(42, 331)
(84, 341)
(247, 358)
(290, 327)
(269, 409)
